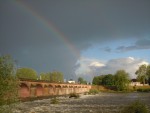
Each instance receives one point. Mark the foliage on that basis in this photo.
(8, 83)
(54, 101)
(26, 73)
(108, 80)
(136, 107)
(141, 74)
(148, 73)
(97, 80)
(81, 80)
(7, 66)
(45, 76)
(121, 80)
(93, 91)
(56, 76)
(73, 95)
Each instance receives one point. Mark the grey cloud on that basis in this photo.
(129, 64)
(107, 49)
(140, 44)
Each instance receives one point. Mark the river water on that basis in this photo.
(100, 103)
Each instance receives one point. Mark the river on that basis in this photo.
(100, 103)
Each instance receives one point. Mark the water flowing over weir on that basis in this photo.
(32, 88)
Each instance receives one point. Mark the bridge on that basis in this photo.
(35, 88)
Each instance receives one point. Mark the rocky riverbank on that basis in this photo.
(101, 103)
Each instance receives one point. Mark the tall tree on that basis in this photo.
(8, 82)
(97, 80)
(26, 73)
(141, 73)
(82, 81)
(108, 80)
(121, 79)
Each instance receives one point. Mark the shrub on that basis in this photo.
(136, 107)
(74, 95)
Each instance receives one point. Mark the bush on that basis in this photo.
(93, 91)
(74, 95)
(136, 107)
(54, 101)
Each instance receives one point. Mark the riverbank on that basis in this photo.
(100, 103)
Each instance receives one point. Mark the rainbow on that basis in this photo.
(49, 26)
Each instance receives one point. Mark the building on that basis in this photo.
(71, 81)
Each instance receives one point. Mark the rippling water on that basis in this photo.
(101, 103)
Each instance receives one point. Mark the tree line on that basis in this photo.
(28, 73)
(121, 78)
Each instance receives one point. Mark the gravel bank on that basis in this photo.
(101, 103)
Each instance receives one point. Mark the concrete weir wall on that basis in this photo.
(29, 88)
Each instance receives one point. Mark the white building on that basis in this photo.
(71, 81)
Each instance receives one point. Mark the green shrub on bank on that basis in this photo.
(93, 91)
(136, 107)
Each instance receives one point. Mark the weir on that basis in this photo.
(36, 88)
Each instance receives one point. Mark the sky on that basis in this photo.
(80, 38)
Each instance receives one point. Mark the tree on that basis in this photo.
(108, 80)
(45, 76)
(56, 76)
(141, 74)
(97, 80)
(82, 81)
(121, 79)
(8, 82)
(26, 73)
(148, 73)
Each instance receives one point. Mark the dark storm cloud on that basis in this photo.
(140, 44)
(96, 21)
(28, 40)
